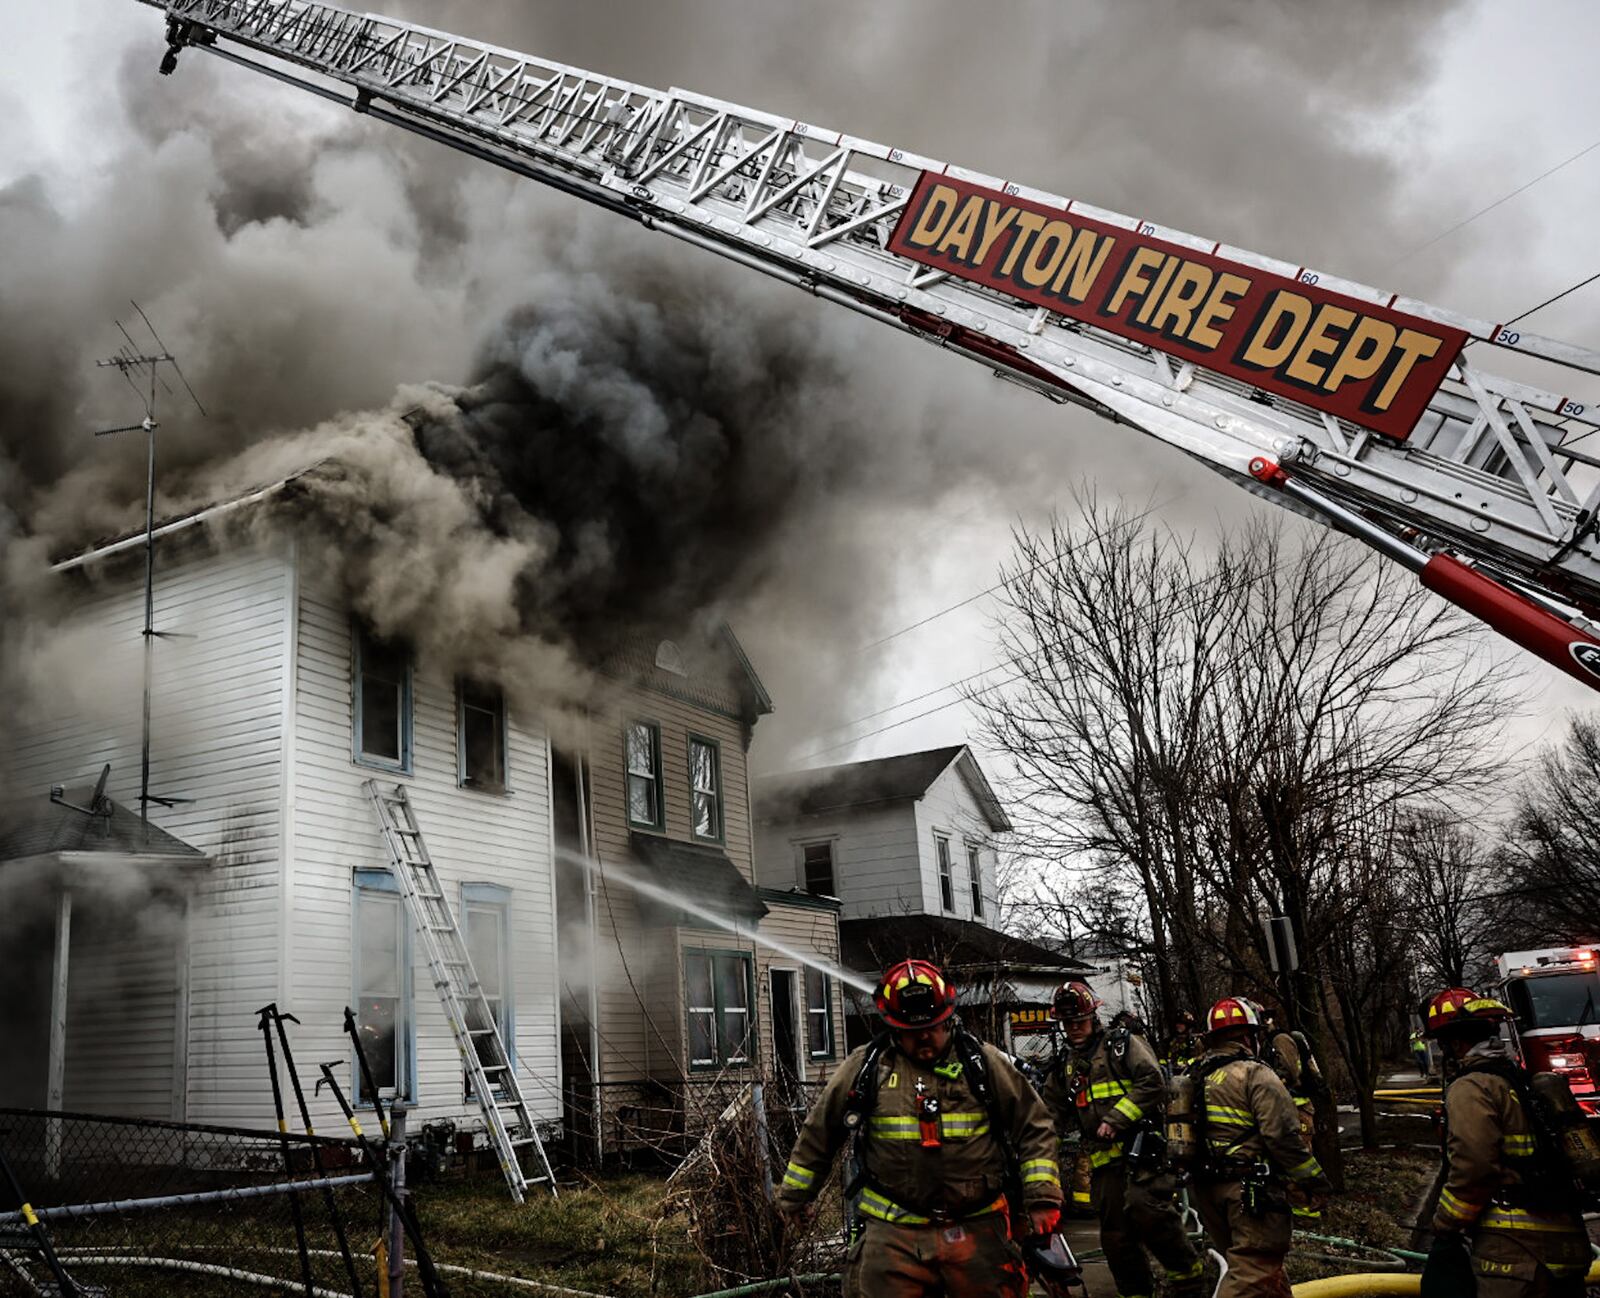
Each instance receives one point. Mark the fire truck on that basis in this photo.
(1555, 994)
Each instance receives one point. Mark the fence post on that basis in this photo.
(758, 1101)
(396, 1153)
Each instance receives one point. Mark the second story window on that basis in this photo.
(975, 875)
(817, 862)
(947, 886)
(643, 742)
(481, 736)
(705, 783)
(382, 702)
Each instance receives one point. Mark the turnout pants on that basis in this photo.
(969, 1259)
(1519, 1264)
(1137, 1211)
(1253, 1246)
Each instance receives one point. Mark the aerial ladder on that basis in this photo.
(1352, 404)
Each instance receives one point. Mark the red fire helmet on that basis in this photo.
(914, 994)
(1233, 1012)
(1456, 1006)
(1074, 1001)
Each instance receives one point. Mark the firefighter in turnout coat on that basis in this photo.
(1504, 1221)
(933, 1168)
(1254, 1152)
(1108, 1085)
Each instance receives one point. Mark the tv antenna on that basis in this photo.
(137, 365)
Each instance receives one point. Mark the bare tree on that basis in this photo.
(1446, 885)
(1551, 858)
(1236, 736)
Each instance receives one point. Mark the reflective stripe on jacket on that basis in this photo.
(909, 1183)
(1492, 1160)
(1250, 1117)
(1090, 1086)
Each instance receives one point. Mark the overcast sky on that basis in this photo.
(1340, 136)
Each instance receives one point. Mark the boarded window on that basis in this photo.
(481, 736)
(644, 775)
(383, 701)
(975, 879)
(947, 886)
(705, 780)
(819, 1015)
(818, 864)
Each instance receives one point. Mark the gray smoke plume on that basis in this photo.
(612, 432)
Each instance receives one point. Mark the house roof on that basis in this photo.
(881, 779)
(954, 944)
(42, 827)
(108, 546)
(704, 876)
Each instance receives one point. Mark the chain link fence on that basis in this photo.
(133, 1207)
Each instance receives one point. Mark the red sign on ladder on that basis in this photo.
(1363, 362)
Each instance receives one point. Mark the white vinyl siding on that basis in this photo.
(472, 839)
(216, 724)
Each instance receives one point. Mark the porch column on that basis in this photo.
(56, 1082)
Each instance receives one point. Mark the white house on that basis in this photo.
(269, 709)
(908, 844)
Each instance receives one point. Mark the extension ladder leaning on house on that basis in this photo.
(483, 1053)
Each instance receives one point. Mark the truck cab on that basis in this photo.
(1554, 994)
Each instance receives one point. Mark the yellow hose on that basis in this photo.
(1380, 1286)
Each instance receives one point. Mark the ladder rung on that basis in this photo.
(480, 1032)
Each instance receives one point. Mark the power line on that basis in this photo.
(972, 599)
(1484, 211)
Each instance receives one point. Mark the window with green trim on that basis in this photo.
(819, 1015)
(705, 785)
(718, 989)
(643, 742)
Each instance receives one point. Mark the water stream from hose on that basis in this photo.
(667, 896)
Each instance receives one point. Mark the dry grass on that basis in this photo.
(608, 1236)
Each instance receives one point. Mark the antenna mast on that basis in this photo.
(130, 361)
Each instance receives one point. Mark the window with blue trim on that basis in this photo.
(481, 736)
(382, 981)
(486, 927)
(382, 671)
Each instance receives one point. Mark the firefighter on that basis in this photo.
(1252, 1151)
(1109, 1087)
(1183, 1046)
(946, 1137)
(1294, 1063)
(1419, 1052)
(1504, 1220)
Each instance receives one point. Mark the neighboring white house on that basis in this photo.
(907, 835)
(909, 846)
(270, 707)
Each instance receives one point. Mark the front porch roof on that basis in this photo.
(43, 834)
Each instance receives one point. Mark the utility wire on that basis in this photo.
(1484, 211)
